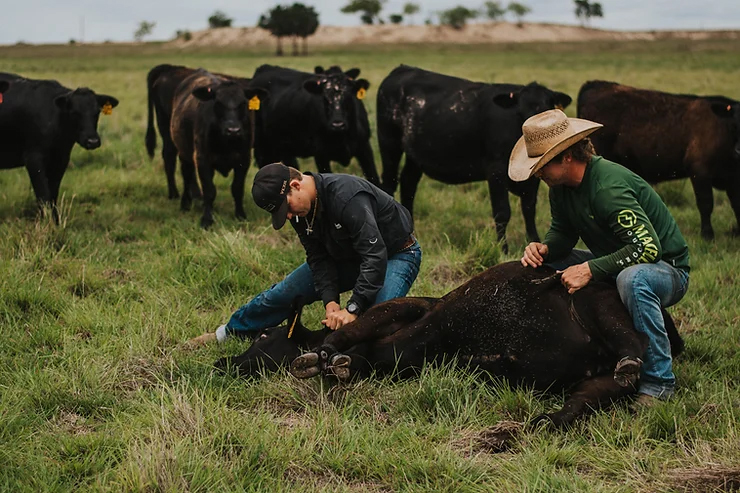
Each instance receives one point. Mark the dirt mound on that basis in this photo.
(493, 32)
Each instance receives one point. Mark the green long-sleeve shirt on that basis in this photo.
(620, 218)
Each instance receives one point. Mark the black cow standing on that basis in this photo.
(319, 115)
(211, 130)
(162, 82)
(662, 136)
(458, 131)
(40, 121)
(510, 321)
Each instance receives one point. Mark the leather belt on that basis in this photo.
(408, 243)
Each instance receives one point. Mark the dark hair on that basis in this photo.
(583, 151)
(295, 174)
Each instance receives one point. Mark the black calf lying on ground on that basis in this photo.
(512, 322)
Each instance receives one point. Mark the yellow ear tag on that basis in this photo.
(254, 103)
(107, 109)
(361, 93)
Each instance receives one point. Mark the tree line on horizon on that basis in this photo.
(301, 21)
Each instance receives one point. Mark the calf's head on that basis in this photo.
(729, 110)
(531, 100)
(339, 92)
(81, 109)
(230, 103)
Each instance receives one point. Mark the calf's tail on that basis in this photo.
(677, 344)
(151, 135)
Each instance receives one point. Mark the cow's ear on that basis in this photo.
(562, 100)
(104, 99)
(724, 110)
(313, 86)
(361, 84)
(62, 102)
(4, 86)
(507, 100)
(261, 94)
(318, 69)
(352, 73)
(204, 93)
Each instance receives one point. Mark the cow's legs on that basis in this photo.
(589, 395)
(733, 193)
(169, 156)
(205, 173)
(367, 163)
(323, 164)
(498, 190)
(391, 151)
(527, 191)
(55, 174)
(705, 203)
(36, 167)
(387, 319)
(410, 176)
(237, 189)
(187, 167)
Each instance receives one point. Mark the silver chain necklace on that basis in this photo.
(309, 227)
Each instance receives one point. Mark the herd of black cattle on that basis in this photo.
(451, 129)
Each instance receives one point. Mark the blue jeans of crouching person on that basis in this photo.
(273, 306)
(644, 289)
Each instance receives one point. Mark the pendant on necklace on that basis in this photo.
(309, 230)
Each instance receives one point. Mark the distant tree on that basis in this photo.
(183, 34)
(145, 29)
(457, 17)
(219, 19)
(519, 11)
(494, 10)
(410, 9)
(370, 9)
(395, 18)
(586, 10)
(277, 21)
(305, 21)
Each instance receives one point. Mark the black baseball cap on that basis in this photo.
(271, 185)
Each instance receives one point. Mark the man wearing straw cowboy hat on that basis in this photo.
(629, 231)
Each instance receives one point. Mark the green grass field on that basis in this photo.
(98, 393)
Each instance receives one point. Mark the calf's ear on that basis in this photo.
(261, 93)
(62, 102)
(361, 84)
(353, 73)
(318, 69)
(104, 99)
(724, 110)
(204, 93)
(313, 86)
(507, 100)
(562, 100)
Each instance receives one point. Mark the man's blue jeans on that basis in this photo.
(644, 289)
(271, 307)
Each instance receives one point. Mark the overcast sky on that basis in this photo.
(57, 21)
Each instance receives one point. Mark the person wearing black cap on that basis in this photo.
(356, 237)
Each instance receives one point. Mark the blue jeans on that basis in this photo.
(271, 307)
(644, 289)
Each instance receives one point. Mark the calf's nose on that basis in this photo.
(233, 130)
(92, 143)
(338, 125)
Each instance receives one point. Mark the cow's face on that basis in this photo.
(532, 99)
(730, 110)
(230, 107)
(338, 92)
(81, 109)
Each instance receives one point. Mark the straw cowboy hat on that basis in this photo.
(545, 135)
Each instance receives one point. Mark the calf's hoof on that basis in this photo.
(206, 222)
(305, 366)
(627, 371)
(339, 367)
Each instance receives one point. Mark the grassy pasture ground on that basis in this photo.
(97, 392)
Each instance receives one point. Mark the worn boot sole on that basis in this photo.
(305, 366)
(627, 371)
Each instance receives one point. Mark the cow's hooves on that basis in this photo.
(339, 367)
(206, 223)
(305, 366)
(707, 235)
(627, 371)
(241, 216)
